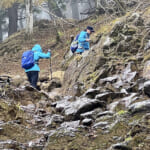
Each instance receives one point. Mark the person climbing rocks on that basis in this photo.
(33, 72)
(84, 39)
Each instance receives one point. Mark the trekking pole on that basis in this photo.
(50, 64)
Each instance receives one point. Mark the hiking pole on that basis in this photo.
(50, 64)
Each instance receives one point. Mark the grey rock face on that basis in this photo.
(138, 107)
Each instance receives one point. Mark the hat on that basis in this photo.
(90, 28)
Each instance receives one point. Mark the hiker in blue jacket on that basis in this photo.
(33, 72)
(83, 40)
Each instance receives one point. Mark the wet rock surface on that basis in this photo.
(103, 102)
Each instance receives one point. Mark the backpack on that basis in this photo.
(74, 44)
(27, 60)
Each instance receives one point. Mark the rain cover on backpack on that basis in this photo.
(74, 44)
(27, 60)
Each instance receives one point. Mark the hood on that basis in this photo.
(37, 48)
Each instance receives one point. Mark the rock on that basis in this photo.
(100, 125)
(146, 70)
(147, 88)
(58, 119)
(123, 103)
(91, 93)
(147, 46)
(17, 80)
(26, 97)
(105, 113)
(87, 122)
(136, 19)
(129, 30)
(122, 47)
(72, 110)
(91, 114)
(116, 29)
(109, 96)
(44, 77)
(139, 107)
(54, 83)
(129, 73)
(100, 62)
(69, 127)
(109, 79)
(121, 146)
(131, 3)
(108, 42)
(77, 89)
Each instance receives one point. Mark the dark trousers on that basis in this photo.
(33, 78)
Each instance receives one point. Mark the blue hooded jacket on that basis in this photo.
(82, 43)
(38, 54)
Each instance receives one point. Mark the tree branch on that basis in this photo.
(52, 14)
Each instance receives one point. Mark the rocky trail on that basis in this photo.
(100, 101)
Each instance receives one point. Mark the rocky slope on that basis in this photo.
(102, 103)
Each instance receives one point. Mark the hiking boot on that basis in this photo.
(30, 88)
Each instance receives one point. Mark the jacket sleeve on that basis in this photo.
(44, 55)
(82, 37)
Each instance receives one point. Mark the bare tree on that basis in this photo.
(2, 17)
(29, 17)
(13, 18)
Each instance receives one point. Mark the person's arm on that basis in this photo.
(45, 55)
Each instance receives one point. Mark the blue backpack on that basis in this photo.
(27, 60)
(74, 44)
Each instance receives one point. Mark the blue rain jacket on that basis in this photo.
(82, 43)
(38, 54)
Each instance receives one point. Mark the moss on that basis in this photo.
(132, 58)
(91, 79)
(60, 34)
(128, 139)
(105, 29)
(121, 112)
(115, 21)
(77, 29)
(93, 21)
(147, 57)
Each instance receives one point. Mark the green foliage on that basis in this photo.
(60, 33)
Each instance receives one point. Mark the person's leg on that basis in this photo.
(34, 80)
(29, 75)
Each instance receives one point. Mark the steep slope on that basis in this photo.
(105, 103)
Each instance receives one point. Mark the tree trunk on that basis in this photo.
(75, 10)
(1, 34)
(29, 18)
(21, 13)
(13, 18)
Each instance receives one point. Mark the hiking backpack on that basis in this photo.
(27, 60)
(74, 44)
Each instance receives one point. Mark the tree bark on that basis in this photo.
(29, 17)
(75, 10)
(13, 18)
(1, 34)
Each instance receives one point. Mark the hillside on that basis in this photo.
(95, 101)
